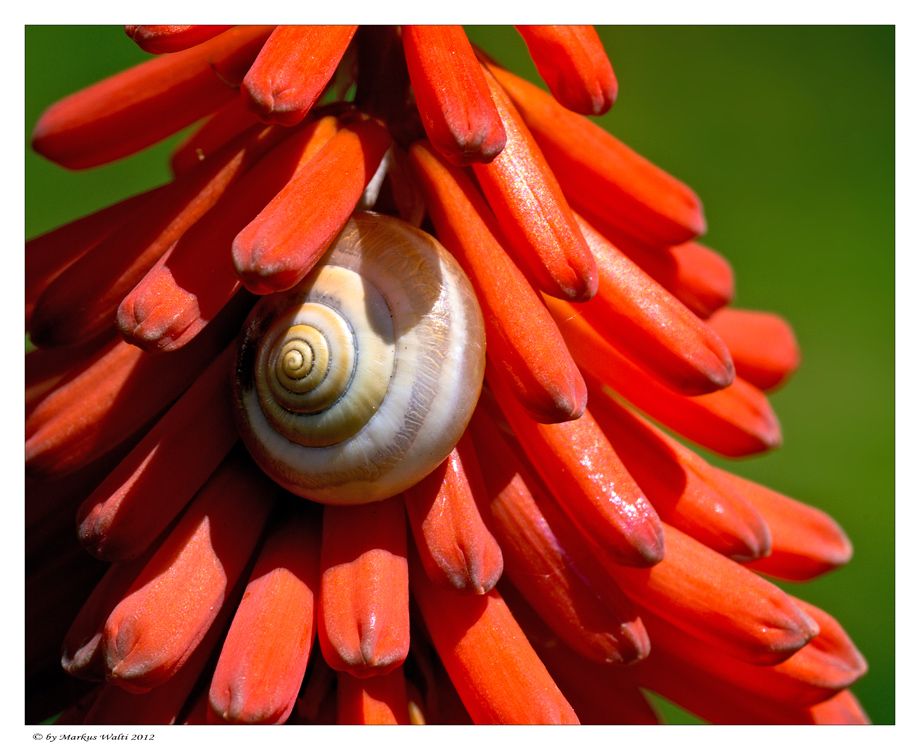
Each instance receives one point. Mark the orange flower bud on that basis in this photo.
(292, 69)
(144, 104)
(364, 590)
(522, 339)
(453, 98)
(447, 512)
(572, 62)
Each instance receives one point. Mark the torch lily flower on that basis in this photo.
(567, 558)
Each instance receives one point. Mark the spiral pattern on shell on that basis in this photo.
(356, 383)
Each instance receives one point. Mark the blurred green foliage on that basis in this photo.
(787, 135)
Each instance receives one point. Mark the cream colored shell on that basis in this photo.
(358, 382)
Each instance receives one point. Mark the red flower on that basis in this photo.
(563, 552)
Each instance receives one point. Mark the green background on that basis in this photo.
(787, 135)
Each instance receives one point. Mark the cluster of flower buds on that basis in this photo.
(569, 557)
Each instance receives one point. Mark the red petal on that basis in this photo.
(717, 600)
(685, 491)
(534, 215)
(144, 104)
(762, 344)
(149, 488)
(699, 277)
(736, 421)
(378, 699)
(364, 593)
(160, 39)
(96, 408)
(446, 515)
(540, 546)
(161, 705)
(494, 669)
(522, 340)
(292, 69)
(599, 693)
(843, 708)
(651, 327)
(589, 480)
(170, 607)
(806, 541)
(280, 246)
(264, 655)
(82, 301)
(223, 126)
(452, 95)
(815, 673)
(48, 255)
(600, 176)
(81, 652)
(191, 284)
(572, 62)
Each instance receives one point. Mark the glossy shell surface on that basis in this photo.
(355, 384)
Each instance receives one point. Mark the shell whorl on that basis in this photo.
(355, 384)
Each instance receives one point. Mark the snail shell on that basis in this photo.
(355, 384)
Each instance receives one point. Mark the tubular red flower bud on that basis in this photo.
(736, 421)
(376, 700)
(292, 69)
(52, 503)
(49, 427)
(166, 703)
(696, 275)
(522, 339)
(81, 653)
(685, 491)
(144, 104)
(264, 656)
(280, 246)
(822, 668)
(597, 621)
(602, 177)
(716, 600)
(723, 703)
(535, 218)
(364, 590)
(453, 98)
(762, 344)
(112, 398)
(181, 294)
(572, 62)
(651, 327)
(161, 39)
(829, 661)
(48, 255)
(176, 598)
(586, 476)
(806, 541)
(447, 512)
(494, 669)
(82, 301)
(137, 500)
